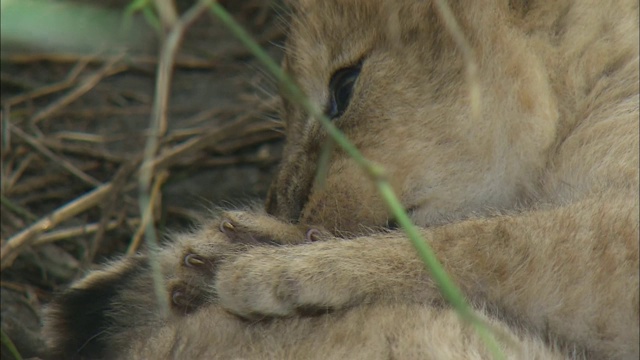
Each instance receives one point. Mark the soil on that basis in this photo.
(65, 142)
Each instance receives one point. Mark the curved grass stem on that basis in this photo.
(449, 290)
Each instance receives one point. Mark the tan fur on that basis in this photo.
(373, 332)
(402, 329)
(532, 207)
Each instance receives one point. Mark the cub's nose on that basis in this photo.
(289, 192)
(275, 208)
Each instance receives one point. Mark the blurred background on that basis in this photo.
(78, 83)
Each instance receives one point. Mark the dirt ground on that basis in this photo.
(73, 133)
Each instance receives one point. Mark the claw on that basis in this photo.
(312, 235)
(193, 260)
(226, 226)
(178, 298)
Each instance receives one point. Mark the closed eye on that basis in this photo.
(341, 89)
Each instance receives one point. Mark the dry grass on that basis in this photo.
(70, 182)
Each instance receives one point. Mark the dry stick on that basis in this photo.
(160, 162)
(84, 137)
(119, 181)
(13, 286)
(249, 138)
(202, 116)
(84, 151)
(33, 142)
(190, 146)
(21, 240)
(89, 83)
(233, 146)
(148, 214)
(63, 192)
(71, 232)
(11, 179)
(27, 237)
(113, 110)
(96, 111)
(217, 162)
(448, 289)
(17, 208)
(26, 289)
(15, 244)
(158, 127)
(35, 183)
(11, 223)
(69, 81)
(183, 61)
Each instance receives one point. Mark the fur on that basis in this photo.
(531, 205)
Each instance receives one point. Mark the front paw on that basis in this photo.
(192, 286)
(284, 281)
(234, 233)
(261, 229)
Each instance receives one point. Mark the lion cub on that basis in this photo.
(532, 206)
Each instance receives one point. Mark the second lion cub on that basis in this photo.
(532, 207)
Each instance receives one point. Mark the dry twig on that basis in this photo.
(14, 245)
(69, 81)
(147, 217)
(119, 182)
(76, 231)
(55, 158)
(89, 83)
(158, 128)
(182, 61)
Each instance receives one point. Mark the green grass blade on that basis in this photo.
(449, 290)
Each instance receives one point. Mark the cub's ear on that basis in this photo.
(79, 321)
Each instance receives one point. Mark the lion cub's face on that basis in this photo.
(393, 80)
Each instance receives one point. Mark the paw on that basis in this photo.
(192, 287)
(286, 281)
(260, 229)
(234, 233)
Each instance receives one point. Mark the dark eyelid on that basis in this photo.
(356, 65)
(350, 73)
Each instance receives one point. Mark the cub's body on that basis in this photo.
(530, 200)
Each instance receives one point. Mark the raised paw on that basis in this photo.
(285, 281)
(235, 232)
